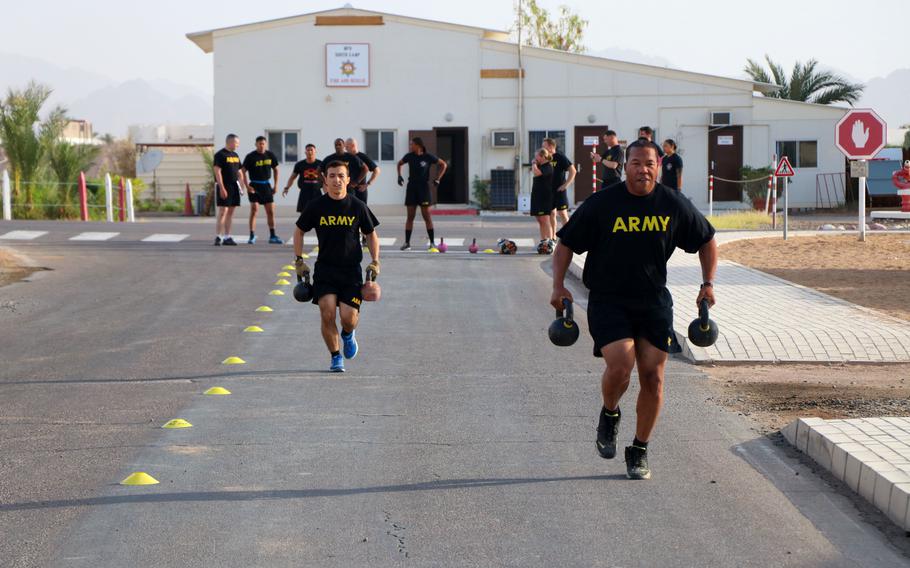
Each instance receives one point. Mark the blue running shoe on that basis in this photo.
(337, 364)
(350, 345)
(251, 240)
(275, 240)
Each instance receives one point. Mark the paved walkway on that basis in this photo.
(767, 319)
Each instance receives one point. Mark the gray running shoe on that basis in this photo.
(637, 463)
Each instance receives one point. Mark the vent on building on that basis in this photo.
(502, 189)
(721, 118)
(503, 139)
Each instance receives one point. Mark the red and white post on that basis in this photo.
(710, 195)
(594, 170)
(122, 201)
(83, 197)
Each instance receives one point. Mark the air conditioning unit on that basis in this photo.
(720, 118)
(502, 139)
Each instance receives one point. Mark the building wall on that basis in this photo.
(178, 167)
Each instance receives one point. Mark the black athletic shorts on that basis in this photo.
(263, 193)
(541, 202)
(343, 281)
(610, 320)
(306, 195)
(233, 198)
(418, 193)
(560, 200)
(362, 195)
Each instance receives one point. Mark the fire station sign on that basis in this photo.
(347, 65)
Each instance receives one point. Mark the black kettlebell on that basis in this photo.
(564, 331)
(303, 291)
(703, 331)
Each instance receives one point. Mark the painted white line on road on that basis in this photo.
(22, 235)
(90, 236)
(524, 242)
(387, 241)
(164, 238)
(452, 242)
(310, 240)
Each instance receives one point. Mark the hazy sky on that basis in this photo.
(125, 40)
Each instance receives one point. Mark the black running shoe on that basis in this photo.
(217, 241)
(229, 242)
(637, 463)
(406, 246)
(607, 429)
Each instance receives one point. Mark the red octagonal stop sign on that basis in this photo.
(860, 134)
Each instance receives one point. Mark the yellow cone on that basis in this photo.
(489, 251)
(287, 267)
(253, 329)
(217, 390)
(283, 275)
(276, 293)
(233, 361)
(434, 249)
(139, 478)
(282, 282)
(177, 423)
(264, 309)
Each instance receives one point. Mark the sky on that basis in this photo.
(127, 40)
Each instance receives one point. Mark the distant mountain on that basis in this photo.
(109, 106)
(888, 97)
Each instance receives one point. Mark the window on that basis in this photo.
(535, 141)
(379, 145)
(802, 154)
(284, 144)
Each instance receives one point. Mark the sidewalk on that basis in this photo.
(763, 318)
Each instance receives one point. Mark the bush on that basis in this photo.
(755, 189)
(481, 192)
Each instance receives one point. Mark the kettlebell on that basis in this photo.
(703, 331)
(442, 245)
(473, 248)
(564, 331)
(303, 291)
(370, 291)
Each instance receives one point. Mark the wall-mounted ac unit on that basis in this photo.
(720, 118)
(502, 139)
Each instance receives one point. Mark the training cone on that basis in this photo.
(276, 293)
(433, 250)
(233, 361)
(287, 267)
(283, 275)
(253, 329)
(264, 309)
(489, 251)
(282, 282)
(139, 478)
(177, 423)
(217, 390)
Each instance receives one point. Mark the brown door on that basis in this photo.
(452, 146)
(429, 140)
(584, 182)
(725, 160)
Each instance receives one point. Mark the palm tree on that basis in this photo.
(806, 83)
(67, 160)
(25, 147)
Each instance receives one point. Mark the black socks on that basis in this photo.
(639, 444)
(407, 235)
(430, 234)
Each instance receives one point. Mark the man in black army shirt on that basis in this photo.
(226, 164)
(308, 173)
(261, 165)
(629, 232)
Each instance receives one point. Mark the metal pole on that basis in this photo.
(594, 170)
(518, 172)
(768, 199)
(786, 205)
(774, 202)
(108, 198)
(711, 195)
(83, 197)
(122, 199)
(7, 201)
(862, 205)
(130, 214)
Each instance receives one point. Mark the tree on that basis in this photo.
(539, 30)
(806, 83)
(67, 160)
(906, 143)
(24, 145)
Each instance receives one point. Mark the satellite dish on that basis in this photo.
(149, 161)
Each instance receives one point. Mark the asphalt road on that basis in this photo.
(458, 437)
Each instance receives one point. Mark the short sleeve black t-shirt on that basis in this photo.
(353, 162)
(371, 165)
(260, 166)
(545, 180)
(338, 224)
(229, 162)
(671, 166)
(629, 240)
(613, 175)
(308, 174)
(561, 165)
(419, 166)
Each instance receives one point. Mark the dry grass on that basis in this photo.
(741, 220)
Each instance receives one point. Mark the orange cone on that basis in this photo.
(187, 203)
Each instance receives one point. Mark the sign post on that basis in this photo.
(860, 134)
(785, 170)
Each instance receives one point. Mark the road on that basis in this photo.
(458, 437)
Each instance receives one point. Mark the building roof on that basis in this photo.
(205, 41)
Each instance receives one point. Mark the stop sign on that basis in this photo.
(860, 134)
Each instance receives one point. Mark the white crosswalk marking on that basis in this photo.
(91, 236)
(310, 240)
(452, 242)
(22, 235)
(164, 238)
(524, 242)
(387, 241)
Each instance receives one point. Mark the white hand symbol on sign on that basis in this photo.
(859, 135)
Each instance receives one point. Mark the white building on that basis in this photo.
(170, 156)
(383, 78)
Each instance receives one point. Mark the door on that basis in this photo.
(725, 160)
(585, 182)
(452, 146)
(429, 141)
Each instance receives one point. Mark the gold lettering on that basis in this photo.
(633, 223)
(650, 224)
(619, 225)
(332, 221)
(322, 222)
(665, 220)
